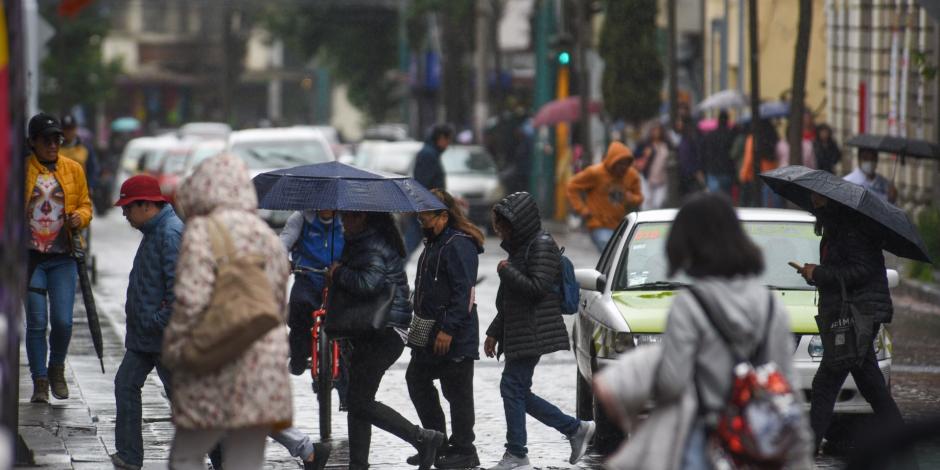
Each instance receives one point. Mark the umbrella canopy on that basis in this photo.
(125, 124)
(563, 110)
(723, 100)
(337, 186)
(898, 145)
(796, 183)
(770, 110)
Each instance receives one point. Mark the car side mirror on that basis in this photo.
(893, 278)
(591, 279)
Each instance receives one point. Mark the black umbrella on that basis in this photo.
(91, 311)
(901, 146)
(796, 183)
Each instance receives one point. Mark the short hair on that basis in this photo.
(708, 240)
(441, 130)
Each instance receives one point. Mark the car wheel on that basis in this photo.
(584, 398)
(607, 434)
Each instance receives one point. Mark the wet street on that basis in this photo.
(915, 382)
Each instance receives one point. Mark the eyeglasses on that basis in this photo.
(52, 140)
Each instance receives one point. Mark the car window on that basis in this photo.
(202, 152)
(152, 160)
(281, 153)
(643, 260)
(464, 161)
(174, 163)
(607, 256)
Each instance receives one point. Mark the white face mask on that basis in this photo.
(867, 167)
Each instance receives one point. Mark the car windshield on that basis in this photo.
(643, 264)
(281, 153)
(464, 160)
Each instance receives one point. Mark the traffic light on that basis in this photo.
(564, 57)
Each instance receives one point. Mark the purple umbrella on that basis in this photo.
(563, 110)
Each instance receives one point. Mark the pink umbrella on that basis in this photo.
(563, 110)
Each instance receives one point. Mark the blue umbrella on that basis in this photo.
(125, 124)
(337, 186)
(770, 110)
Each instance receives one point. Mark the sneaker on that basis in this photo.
(455, 460)
(414, 460)
(429, 442)
(40, 390)
(57, 383)
(321, 453)
(121, 464)
(580, 440)
(511, 462)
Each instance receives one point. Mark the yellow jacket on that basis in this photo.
(608, 198)
(71, 177)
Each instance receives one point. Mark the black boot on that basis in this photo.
(427, 443)
(321, 453)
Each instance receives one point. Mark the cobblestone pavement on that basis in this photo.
(83, 426)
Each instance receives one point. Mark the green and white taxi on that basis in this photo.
(626, 297)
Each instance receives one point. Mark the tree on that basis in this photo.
(798, 98)
(633, 74)
(74, 72)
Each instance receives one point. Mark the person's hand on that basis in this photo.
(489, 346)
(442, 344)
(330, 271)
(75, 221)
(807, 272)
(502, 264)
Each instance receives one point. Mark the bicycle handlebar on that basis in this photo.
(304, 269)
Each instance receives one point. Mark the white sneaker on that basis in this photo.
(580, 440)
(511, 462)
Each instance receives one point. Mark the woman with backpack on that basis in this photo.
(528, 324)
(726, 314)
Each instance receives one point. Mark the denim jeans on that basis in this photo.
(516, 389)
(457, 384)
(600, 237)
(297, 442)
(128, 382)
(242, 449)
(55, 277)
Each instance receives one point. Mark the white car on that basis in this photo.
(626, 297)
(276, 148)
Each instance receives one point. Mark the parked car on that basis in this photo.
(626, 297)
(275, 148)
(205, 130)
(202, 150)
(172, 168)
(142, 154)
(470, 171)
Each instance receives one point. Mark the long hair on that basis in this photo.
(456, 219)
(707, 239)
(384, 224)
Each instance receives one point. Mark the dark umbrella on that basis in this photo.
(91, 310)
(901, 146)
(796, 183)
(336, 186)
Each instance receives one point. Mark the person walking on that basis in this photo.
(718, 164)
(851, 261)
(528, 324)
(604, 192)
(148, 307)
(444, 294)
(827, 152)
(244, 400)
(429, 171)
(689, 157)
(655, 151)
(75, 149)
(765, 151)
(866, 175)
(708, 244)
(57, 205)
(373, 258)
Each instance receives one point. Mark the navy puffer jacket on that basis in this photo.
(528, 321)
(367, 265)
(150, 290)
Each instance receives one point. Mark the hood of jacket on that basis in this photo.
(616, 153)
(522, 213)
(219, 182)
(733, 303)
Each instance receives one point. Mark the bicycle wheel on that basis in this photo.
(325, 383)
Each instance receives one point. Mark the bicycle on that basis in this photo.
(324, 358)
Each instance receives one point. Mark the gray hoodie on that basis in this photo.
(692, 348)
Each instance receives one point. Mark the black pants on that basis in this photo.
(305, 297)
(369, 358)
(457, 384)
(871, 384)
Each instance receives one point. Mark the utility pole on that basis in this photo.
(481, 99)
(723, 78)
(741, 46)
(673, 63)
(755, 97)
(582, 42)
(798, 97)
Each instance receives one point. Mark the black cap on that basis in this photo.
(44, 124)
(68, 121)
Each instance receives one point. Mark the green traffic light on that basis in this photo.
(564, 58)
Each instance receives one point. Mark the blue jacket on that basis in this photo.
(368, 264)
(447, 273)
(429, 171)
(150, 290)
(312, 247)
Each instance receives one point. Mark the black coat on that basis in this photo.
(367, 265)
(429, 171)
(528, 321)
(851, 250)
(447, 273)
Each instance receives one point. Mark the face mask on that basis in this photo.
(867, 167)
(428, 232)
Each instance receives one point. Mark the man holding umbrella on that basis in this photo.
(149, 304)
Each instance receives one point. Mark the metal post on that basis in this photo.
(481, 98)
(723, 78)
(584, 79)
(755, 96)
(673, 64)
(741, 46)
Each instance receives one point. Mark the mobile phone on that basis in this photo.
(794, 265)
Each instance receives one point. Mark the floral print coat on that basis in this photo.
(253, 390)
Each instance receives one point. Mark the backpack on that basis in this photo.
(568, 288)
(760, 422)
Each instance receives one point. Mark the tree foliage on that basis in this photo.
(74, 71)
(633, 72)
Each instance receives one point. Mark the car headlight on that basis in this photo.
(622, 342)
(815, 348)
(640, 340)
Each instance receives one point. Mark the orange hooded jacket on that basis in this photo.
(606, 199)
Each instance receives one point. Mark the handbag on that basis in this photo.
(846, 337)
(242, 308)
(350, 315)
(419, 333)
